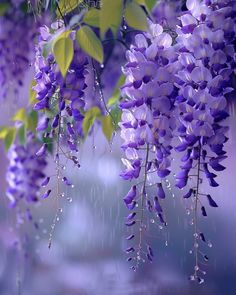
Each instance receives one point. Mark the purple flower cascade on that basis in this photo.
(17, 31)
(62, 97)
(147, 126)
(205, 62)
(24, 176)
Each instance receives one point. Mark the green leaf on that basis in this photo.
(90, 43)
(22, 134)
(32, 121)
(3, 8)
(141, 2)
(107, 126)
(10, 137)
(90, 116)
(92, 18)
(116, 93)
(3, 132)
(136, 17)
(32, 93)
(150, 4)
(110, 16)
(66, 6)
(116, 115)
(63, 51)
(62, 35)
(20, 115)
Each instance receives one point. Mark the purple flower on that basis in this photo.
(41, 152)
(25, 173)
(17, 32)
(160, 191)
(46, 194)
(128, 199)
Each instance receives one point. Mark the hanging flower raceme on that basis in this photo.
(62, 97)
(147, 126)
(24, 176)
(204, 68)
(17, 32)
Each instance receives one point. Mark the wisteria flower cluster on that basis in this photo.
(147, 126)
(178, 90)
(63, 98)
(17, 50)
(24, 177)
(206, 56)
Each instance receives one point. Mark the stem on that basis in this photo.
(142, 204)
(62, 16)
(195, 213)
(57, 185)
(97, 78)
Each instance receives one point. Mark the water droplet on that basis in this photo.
(196, 268)
(166, 243)
(195, 235)
(160, 227)
(136, 205)
(72, 185)
(195, 245)
(60, 210)
(69, 199)
(191, 252)
(102, 66)
(124, 27)
(188, 212)
(57, 219)
(152, 221)
(209, 244)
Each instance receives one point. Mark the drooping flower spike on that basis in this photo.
(24, 176)
(17, 32)
(205, 58)
(147, 126)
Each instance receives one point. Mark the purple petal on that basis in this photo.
(130, 237)
(130, 223)
(46, 194)
(45, 182)
(212, 203)
(160, 191)
(203, 211)
(157, 205)
(189, 194)
(41, 152)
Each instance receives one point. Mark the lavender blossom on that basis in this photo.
(147, 125)
(64, 97)
(17, 31)
(205, 63)
(24, 175)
